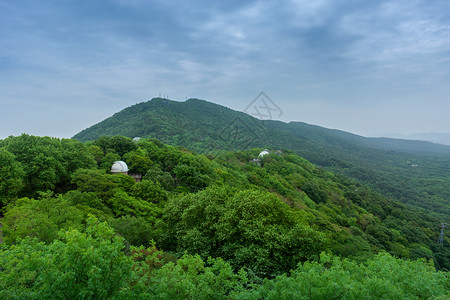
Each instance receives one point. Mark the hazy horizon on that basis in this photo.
(373, 69)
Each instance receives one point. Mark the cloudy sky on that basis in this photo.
(368, 67)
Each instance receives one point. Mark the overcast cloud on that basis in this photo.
(368, 67)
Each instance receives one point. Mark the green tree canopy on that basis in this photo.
(41, 218)
(77, 265)
(11, 177)
(248, 228)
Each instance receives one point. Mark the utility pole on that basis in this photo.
(441, 236)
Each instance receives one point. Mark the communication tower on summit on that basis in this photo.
(441, 236)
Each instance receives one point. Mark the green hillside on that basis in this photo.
(414, 172)
(197, 226)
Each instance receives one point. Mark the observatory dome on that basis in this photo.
(264, 152)
(119, 167)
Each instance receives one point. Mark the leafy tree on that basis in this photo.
(76, 156)
(136, 230)
(138, 161)
(47, 162)
(116, 144)
(11, 177)
(99, 182)
(149, 191)
(249, 228)
(97, 153)
(108, 160)
(384, 277)
(104, 142)
(314, 192)
(122, 144)
(77, 265)
(188, 176)
(155, 174)
(87, 199)
(123, 204)
(193, 171)
(40, 218)
(192, 278)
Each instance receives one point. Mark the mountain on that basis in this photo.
(414, 172)
(434, 137)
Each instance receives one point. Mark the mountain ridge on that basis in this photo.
(414, 172)
(442, 138)
(161, 102)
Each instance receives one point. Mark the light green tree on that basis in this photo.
(41, 218)
(77, 265)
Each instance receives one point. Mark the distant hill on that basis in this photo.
(414, 172)
(434, 137)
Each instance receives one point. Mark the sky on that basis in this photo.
(368, 67)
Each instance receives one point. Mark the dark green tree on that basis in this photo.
(11, 177)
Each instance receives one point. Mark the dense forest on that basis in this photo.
(414, 172)
(230, 225)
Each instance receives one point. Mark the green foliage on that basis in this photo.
(192, 278)
(108, 160)
(384, 164)
(136, 230)
(262, 218)
(193, 171)
(47, 162)
(11, 177)
(93, 265)
(75, 155)
(155, 174)
(138, 161)
(384, 277)
(87, 199)
(41, 218)
(149, 191)
(99, 182)
(116, 144)
(41, 159)
(250, 229)
(78, 265)
(97, 153)
(123, 204)
(20, 268)
(314, 192)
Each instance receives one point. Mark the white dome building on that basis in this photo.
(264, 152)
(119, 167)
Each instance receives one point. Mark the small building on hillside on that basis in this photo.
(136, 176)
(119, 167)
(256, 161)
(264, 152)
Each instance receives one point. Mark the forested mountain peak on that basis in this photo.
(384, 164)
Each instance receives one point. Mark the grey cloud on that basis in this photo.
(307, 54)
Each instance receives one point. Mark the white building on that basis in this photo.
(119, 167)
(264, 152)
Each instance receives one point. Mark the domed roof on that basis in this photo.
(264, 152)
(119, 167)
